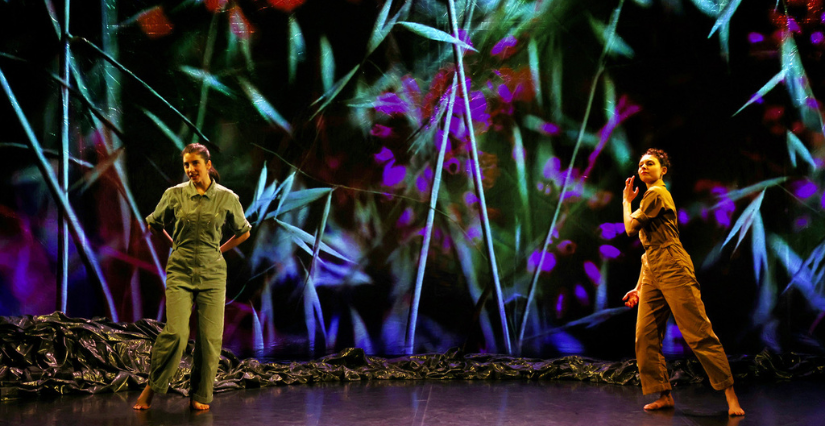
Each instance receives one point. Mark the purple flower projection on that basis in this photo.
(755, 38)
(505, 47)
(546, 266)
(609, 252)
(567, 247)
(392, 175)
(581, 295)
(683, 217)
(822, 202)
(550, 129)
(390, 103)
(384, 155)
(423, 181)
(593, 272)
(804, 189)
(609, 230)
(470, 198)
(406, 218)
(380, 131)
(817, 37)
(726, 207)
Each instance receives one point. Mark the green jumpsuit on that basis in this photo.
(195, 273)
(668, 284)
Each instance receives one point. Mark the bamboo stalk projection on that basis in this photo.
(543, 250)
(482, 204)
(79, 236)
(409, 343)
(63, 170)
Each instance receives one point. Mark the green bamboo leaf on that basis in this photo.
(165, 129)
(724, 17)
(302, 198)
(334, 90)
(208, 79)
(765, 89)
(744, 192)
(53, 17)
(257, 333)
(284, 190)
(327, 64)
(795, 146)
(434, 34)
(798, 84)
(263, 106)
(259, 192)
(48, 153)
(360, 332)
(297, 47)
(125, 70)
(607, 34)
(380, 29)
(758, 247)
(745, 220)
(535, 71)
(91, 176)
(710, 7)
(309, 239)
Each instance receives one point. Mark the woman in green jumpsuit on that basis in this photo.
(667, 284)
(195, 273)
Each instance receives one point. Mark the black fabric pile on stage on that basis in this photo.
(60, 355)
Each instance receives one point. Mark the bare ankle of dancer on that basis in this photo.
(733, 403)
(195, 405)
(145, 399)
(665, 401)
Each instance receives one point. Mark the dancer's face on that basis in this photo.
(196, 168)
(650, 170)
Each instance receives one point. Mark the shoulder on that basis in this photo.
(175, 190)
(222, 191)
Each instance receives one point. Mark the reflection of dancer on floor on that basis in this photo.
(667, 284)
(195, 273)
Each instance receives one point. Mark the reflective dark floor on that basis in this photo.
(434, 403)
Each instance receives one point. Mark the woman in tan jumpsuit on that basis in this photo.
(195, 274)
(667, 284)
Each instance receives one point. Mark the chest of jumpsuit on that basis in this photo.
(196, 260)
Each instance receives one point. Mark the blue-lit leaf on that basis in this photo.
(795, 146)
(165, 129)
(334, 90)
(380, 29)
(744, 192)
(53, 17)
(208, 79)
(257, 333)
(359, 329)
(607, 34)
(803, 278)
(765, 89)
(263, 106)
(434, 34)
(709, 7)
(301, 198)
(310, 240)
(758, 247)
(724, 17)
(745, 220)
(285, 189)
(297, 47)
(535, 71)
(259, 193)
(91, 176)
(327, 64)
(798, 84)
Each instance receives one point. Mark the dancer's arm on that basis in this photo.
(631, 298)
(234, 242)
(631, 226)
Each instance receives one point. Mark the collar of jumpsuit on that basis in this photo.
(191, 191)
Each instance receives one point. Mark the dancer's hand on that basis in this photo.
(631, 299)
(629, 194)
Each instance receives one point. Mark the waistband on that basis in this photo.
(664, 245)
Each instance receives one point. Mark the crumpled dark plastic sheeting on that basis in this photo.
(57, 354)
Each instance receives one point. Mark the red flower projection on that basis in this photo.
(154, 22)
(286, 5)
(215, 5)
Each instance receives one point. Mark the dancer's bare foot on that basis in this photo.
(145, 399)
(195, 405)
(733, 403)
(665, 401)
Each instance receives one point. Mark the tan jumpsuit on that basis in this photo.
(195, 273)
(668, 285)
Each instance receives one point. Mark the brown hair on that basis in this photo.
(664, 160)
(203, 152)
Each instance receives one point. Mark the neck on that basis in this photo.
(659, 182)
(204, 185)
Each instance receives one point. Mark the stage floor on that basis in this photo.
(429, 402)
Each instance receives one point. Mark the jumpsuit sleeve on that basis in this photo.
(164, 213)
(650, 207)
(235, 219)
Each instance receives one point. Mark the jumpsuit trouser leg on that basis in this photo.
(651, 324)
(171, 342)
(211, 305)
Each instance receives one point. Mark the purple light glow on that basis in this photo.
(552, 168)
(504, 47)
(800, 224)
(380, 131)
(439, 136)
(474, 232)
(384, 155)
(817, 37)
(546, 266)
(470, 198)
(581, 295)
(593, 272)
(609, 251)
(393, 175)
(560, 304)
(406, 218)
(683, 217)
(608, 231)
(755, 37)
(389, 103)
(452, 165)
(805, 189)
(822, 202)
(793, 26)
(504, 93)
(422, 184)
